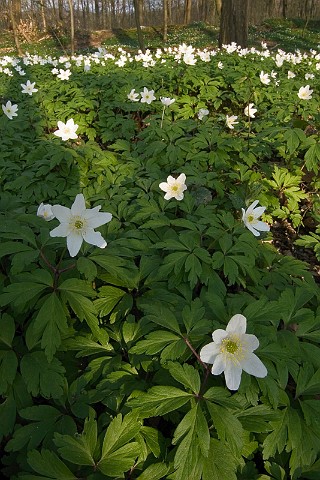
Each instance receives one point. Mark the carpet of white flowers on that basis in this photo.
(150, 328)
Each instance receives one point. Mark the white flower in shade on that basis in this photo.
(28, 88)
(147, 96)
(64, 74)
(264, 78)
(10, 110)
(166, 101)
(78, 224)
(250, 111)
(230, 121)
(67, 130)
(55, 71)
(250, 218)
(133, 96)
(291, 74)
(174, 187)
(203, 112)
(45, 211)
(305, 93)
(220, 65)
(309, 76)
(232, 351)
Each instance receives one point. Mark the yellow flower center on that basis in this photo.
(78, 224)
(175, 188)
(229, 346)
(250, 218)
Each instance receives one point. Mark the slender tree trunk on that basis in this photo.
(139, 20)
(284, 8)
(187, 12)
(43, 15)
(169, 3)
(234, 22)
(165, 20)
(12, 11)
(71, 26)
(60, 10)
(218, 6)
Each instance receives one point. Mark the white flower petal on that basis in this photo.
(253, 365)
(219, 335)
(79, 205)
(63, 214)
(262, 226)
(164, 186)
(251, 342)
(209, 352)
(237, 324)
(252, 206)
(94, 238)
(219, 365)
(99, 219)
(181, 178)
(74, 242)
(232, 375)
(63, 230)
(258, 211)
(252, 229)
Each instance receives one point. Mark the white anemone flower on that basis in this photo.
(231, 121)
(133, 96)
(78, 223)
(64, 74)
(10, 110)
(174, 187)
(231, 352)
(264, 78)
(305, 93)
(250, 218)
(250, 110)
(45, 211)
(166, 101)
(28, 88)
(203, 112)
(67, 130)
(147, 96)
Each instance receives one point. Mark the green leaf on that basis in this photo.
(80, 449)
(185, 374)
(21, 293)
(159, 400)
(155, 471)
(8, 369)
(87, 268)
(108, 298)
(277, 439)
(118, 452)
(228, 427)
(7, 330)
(161, 316)
(49, 464)
(42, 377)
(50, 324)
(220, 463)
(155, 342)
(7, 416)
(312, 157)
(45, 421)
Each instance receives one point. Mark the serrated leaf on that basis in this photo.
(108, 298)
(42, 377)
(159, 400)
(119, 461)
(220, 463)
(87, 268)
(7, 330)
(50, 324)
(8, 369)
(155, 471)
(228, 427)
(7, 416)
(185, 374)
(49, 464)
(154, 342)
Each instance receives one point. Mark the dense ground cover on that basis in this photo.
(106, 353)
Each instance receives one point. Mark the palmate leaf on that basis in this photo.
(45, 421)
(49, 465)
(42, 377)
(193, 439)
(79, 449)
(159, 400)
(228, 427)
(220, 463)
(185, 374)
(155, 342)
(49, 325)
(118, 452)
(155, 471)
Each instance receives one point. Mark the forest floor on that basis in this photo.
(288, 35)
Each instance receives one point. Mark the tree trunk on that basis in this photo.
(43, 15)
(234, 22)
(187, 12)
(12, 11)
(284, 8)
(139, 19)
(165, 20)
(218, 6)
(71, 26)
